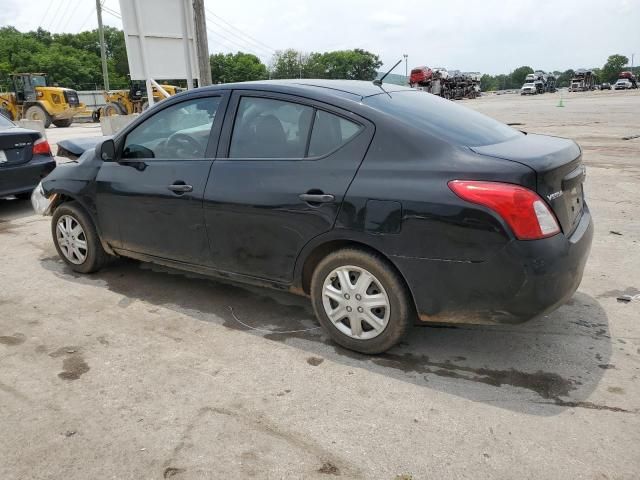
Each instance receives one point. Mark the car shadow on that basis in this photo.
(12, 208)
(555, 360)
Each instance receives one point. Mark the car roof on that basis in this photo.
(353, 88)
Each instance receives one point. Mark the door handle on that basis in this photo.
(317, 198)
(180, 188)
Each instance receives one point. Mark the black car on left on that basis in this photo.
(25, 159)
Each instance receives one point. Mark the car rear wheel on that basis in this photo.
(76, 239)
(361, 301)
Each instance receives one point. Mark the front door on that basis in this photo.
(150, 200)
(283, 168)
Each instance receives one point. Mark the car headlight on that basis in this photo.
(40, 203)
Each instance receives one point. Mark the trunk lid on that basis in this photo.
(559, 171)
(16, 145)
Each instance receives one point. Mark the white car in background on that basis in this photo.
(623, 84)
(529, 89)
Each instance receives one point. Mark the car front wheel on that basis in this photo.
(76, 239)
(361, 301)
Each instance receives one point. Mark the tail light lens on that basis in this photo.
(41, 147)
(524, 211)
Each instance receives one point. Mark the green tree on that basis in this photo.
(236, 67)
(354, 64)
(286, 64)
(613, 67)
(518, 76)
(564, 79)
(488, 83)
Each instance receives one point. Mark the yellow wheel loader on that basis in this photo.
(128, 102)
(32, 99)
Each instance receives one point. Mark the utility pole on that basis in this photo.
(202, 43)
(103, 52)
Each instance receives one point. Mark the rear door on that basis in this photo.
(150, 200)
(283, 167)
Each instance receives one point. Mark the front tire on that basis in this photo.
(112, 108)
(361, 301)
(36, 112)
(76, 239)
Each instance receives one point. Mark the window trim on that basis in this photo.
(224, 146)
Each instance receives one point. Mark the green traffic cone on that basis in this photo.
(560, 104)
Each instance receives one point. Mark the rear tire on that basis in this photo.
(80, 248)
(381, 305)
(63, 123)
(36, 112)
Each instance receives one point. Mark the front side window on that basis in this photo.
(178, 132)
(267, 128)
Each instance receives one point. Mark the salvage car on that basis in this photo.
(529, 89)
(384, 204)
(25, 158)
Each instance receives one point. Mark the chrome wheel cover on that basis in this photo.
(356, 302)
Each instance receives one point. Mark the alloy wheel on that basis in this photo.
(71, 239)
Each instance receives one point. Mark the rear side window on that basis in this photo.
(267, 128)
(330, 132)
(443, 118)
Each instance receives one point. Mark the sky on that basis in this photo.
(490, 36)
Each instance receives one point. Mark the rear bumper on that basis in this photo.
(24, 178)
(525, 279)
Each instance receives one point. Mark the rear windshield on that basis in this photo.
(5, 122)
(443, 118)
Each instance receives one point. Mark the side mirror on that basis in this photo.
(107, 150)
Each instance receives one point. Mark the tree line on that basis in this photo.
(73, 60)
(608, 73)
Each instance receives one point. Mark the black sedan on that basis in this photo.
(384, 204)
(25, 158)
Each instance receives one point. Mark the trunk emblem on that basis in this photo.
(555, 195)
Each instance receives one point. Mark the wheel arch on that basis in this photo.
(312, 255)
(64, 196)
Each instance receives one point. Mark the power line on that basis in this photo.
(242, 47)
(64, 13)
(93, 10)
(113, 13)
(255, 40)
(245, 41)
(46, 12)
(67, 22)
(56, 11)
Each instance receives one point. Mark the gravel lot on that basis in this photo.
(139, 372)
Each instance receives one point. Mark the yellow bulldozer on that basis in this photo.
(133, 100)
(32, 99)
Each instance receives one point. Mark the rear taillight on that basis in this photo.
(524, 211)
(41, 147)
